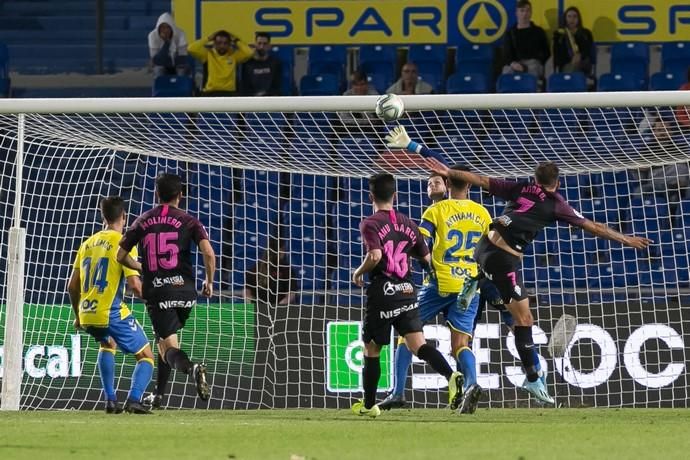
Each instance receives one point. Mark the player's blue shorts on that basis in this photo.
(431, 303)
(127, 333)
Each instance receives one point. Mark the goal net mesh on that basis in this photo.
(300, 179)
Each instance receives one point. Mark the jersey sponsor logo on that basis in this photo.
(177, 280)
(503, 220)
(166, 304)
(393, 288)
(396, 312)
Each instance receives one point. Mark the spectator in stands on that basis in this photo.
(359, 85)
(683, 112)
(525, 46)
(572, 44)
(272, 280)
(261, 74)
(221, 52)
(168, 48)
(409, 82)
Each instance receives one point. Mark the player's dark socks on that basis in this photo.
(525, 348)
(178, 360)
(435, 359)
(370, 379)
(162, 376)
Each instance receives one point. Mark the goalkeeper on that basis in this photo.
(531, 207)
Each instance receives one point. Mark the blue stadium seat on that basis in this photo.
(328, 59)
(4, 71)
(173, 86)
(666, 81)
(380, 81)
(516, 83)
(464, 83)
(620, 82)
(677, 67)
(286, 55)
(566, 82)
(474, 53)
(675, 54)
(320, 85)
(378, 58)
(432, 73)
(424, 54)
(629, 52)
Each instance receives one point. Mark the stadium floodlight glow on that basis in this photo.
(240, 157)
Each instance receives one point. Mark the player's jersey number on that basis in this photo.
(99, 277)
(161, 250)
(459, 241)
(396, 259)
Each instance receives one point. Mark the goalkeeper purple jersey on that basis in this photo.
(165, 235)
(530, 208)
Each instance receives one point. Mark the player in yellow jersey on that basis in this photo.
(454, 226)
(96, 289)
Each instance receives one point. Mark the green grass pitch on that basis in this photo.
(337, 434)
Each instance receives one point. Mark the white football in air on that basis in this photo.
(389, 107)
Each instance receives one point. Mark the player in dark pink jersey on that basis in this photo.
(531, 207)
(165, 235)
(390, 238)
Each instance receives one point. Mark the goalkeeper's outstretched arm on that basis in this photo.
(398, 138)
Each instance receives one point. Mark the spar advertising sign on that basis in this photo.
(450, 22)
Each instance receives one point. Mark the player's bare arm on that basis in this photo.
(370, 261)
(134, 283)
(125, 259)
(210, 266)
(604, 231)
(74, 291)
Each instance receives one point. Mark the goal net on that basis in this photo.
(291, 173)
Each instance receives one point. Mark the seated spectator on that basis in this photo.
(221, 52)
(271, 280)
(572, 44)
(525, 47)
(409, 82)
(683, 112)
(359, 85)
(261, 74)
(168, 48)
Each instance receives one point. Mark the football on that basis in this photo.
(389, 107)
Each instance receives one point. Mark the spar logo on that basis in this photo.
(482, 21)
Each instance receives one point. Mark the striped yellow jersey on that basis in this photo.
(102, 279)
(455, 226)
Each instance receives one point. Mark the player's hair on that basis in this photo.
(224, 33)
(112, 208)
(168, 186)
(522, 4)
(434, 174)
(458, 183)
(265, 35)
(382, 186)
(546, 174)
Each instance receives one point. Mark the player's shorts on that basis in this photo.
(167, 321)
(502, 268)
(431, 303)
(127, 333)
(490, 297)
(379, 320)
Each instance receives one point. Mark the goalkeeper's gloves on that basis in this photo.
(398, 138)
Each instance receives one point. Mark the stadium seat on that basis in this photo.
(677, 67)
(516, 83)
(626, 53)
(423, 54)
(380, 81)
(566, 82)
(320, 85)
(327, 59)
(378, 58)
(173, 86)
(666, 81)
(4, 71)
(674, 55)
(620, 82)
(432, 73)
(286, 55)
(464, 83)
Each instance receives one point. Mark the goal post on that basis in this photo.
(294, 169)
